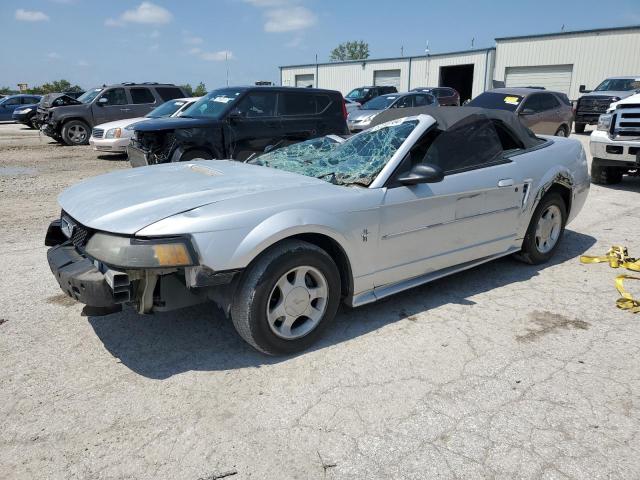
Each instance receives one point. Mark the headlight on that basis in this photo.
(23, 111)
(138, 253)
(113, 133)
(604, 122)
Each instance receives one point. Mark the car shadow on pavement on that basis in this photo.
(114, 157)
(628, 184)
(200, 338)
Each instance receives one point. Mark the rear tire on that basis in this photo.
(562, 131)
(75, 132)
(605, 175)
(545, 230)
(579, 127)
(286, 298)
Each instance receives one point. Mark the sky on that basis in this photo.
(91, 42)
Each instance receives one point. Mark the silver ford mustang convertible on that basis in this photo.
(279, 241)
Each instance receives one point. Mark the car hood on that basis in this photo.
(626, 101)
(612, 93)
(129, 200)
(125, 122)
(360, 114)
(171, 123)
(65, 100)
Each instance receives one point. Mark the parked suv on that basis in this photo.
(364, 94)
(447, 97)
(543, 111)
(237, 122)
(615, 144)
(594, 103)
(70, 120)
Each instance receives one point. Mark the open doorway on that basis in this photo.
(459, 77)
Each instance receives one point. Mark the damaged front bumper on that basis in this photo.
(95, 284)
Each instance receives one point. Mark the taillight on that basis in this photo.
(344, 108)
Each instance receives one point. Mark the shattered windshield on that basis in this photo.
(357, 160)
(89, 95)
(380, 103)
(213, 104)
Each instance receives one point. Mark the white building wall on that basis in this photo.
(594, 55)
(349, 75)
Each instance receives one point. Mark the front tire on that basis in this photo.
(196, 155)
(605, 175)
(75, 132)
(562, 131)
(287, 298)
(579, 127)
(545, 230)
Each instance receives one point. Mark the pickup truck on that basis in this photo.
(615, 144)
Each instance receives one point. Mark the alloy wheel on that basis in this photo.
(548, 229)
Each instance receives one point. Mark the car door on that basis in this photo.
(423, 100)
(7, 106)
(471, 214)
(112, 104)
(142, 101)
(552, 113)
(532, 114)
(253, 124)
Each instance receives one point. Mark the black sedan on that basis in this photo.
(25, 114)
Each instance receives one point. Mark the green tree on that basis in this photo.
(200, 91)
(188, 89)
(356, 50)
(7, 91)
(56, 86)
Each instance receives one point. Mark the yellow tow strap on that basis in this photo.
(618, 257)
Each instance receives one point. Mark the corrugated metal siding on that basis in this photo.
(347, 76)
(594, 56)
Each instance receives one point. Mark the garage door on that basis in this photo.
(551, 77)
(304, 80)
(386, 78)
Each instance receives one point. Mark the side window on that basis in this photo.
(258, 104)
(533, 103)
(142, 95)
(423, 100)
(405, 102)
(115, 96)
(28, 100)
(169, 93)
(322, 103)
(12, 101)
(471, 143)
(296, 104)
(549, 102)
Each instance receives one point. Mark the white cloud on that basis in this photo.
(288, 19)
(31, 16)
(83, 63)
(146, 12)
(192, 40)
(216, 56)
(53, 55)
(284, 15)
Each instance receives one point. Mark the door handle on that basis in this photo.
(505, 182)
(125, 109)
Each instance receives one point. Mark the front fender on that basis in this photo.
(287, 224)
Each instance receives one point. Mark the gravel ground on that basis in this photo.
(506, 371)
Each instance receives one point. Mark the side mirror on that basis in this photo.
(583, 89)
(527, 111)
(234, 114)
(422, 173)
(102, 101)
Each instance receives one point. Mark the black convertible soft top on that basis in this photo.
(447, 117)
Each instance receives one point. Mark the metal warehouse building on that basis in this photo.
(557, 61)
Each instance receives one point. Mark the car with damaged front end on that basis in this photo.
(281, 240)
(239, 122)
